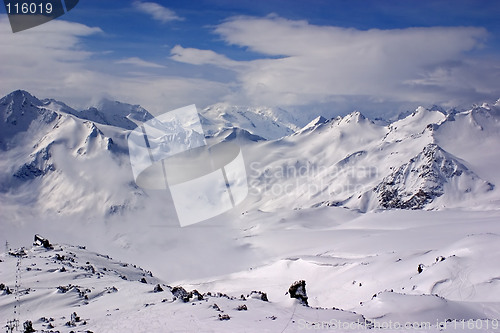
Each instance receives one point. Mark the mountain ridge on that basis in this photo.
(356, 155)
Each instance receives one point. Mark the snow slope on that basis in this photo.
(361, 270)
(106, 295)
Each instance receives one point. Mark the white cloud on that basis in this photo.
(40, 58)
(306, 64)
(200, 57)
(49, 61)
(157, 11)
(135, 61)
(316, 67)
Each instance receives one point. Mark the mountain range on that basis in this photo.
(418, 162)
(383, 220)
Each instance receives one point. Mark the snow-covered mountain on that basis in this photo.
(57, 161)
(385, 221)
(115, 113)
(355, 163)
(267, 123)
(417, 162)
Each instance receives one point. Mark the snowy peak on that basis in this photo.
(18, 112)
(352, 161)
(38, 165)
(88, 140)
(420, 119)
(353, 117)
(414, 124)
(315, 123)
(21, 97)
(268, 123)
(485, 117)
(115, 114)
(426, 177)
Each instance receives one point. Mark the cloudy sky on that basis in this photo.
(318, 56)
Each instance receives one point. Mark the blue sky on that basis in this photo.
(317, 56)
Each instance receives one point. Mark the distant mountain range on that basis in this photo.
(60, 159)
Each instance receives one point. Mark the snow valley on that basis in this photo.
(363, 222)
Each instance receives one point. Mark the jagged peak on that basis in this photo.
(22, 97)
(318, 120)
(438, 108)
(421, 180)
(115, 113)
(21, 92)
(355, 117)
(105, 104)
(421, 117)
(313, 124)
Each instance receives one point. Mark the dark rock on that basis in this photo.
(41, 241)
(298, 290)
(28, 326)
(440, 258)
(259, 294)
(242, 308)
(181, 293)
(224, 317)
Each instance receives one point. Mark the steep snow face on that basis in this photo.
(70, 170)
(21, 112)
(474, 135)
(327, 161)
(60, 163)
(414, 124)
(314, 124)
(342, 161)
(426, 177)
(268, 123)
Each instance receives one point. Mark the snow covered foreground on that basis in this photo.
(389, 224)
(359, 274)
